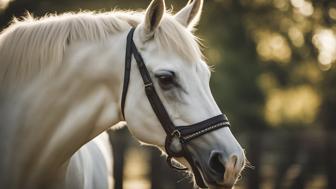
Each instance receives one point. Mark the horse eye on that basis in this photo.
(166, 80)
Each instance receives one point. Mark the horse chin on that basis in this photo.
(198, 167)
(210, 186)
(221, 187)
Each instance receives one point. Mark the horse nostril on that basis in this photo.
(216, 163)
(234, 159)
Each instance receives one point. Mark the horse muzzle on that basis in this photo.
(218, 162)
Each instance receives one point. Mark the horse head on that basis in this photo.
(180, 77)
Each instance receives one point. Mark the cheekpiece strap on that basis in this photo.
(157, 106)
(127, 71)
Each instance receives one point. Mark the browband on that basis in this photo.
(183, 134)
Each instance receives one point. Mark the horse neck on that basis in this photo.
(61, 111)
(28, 47)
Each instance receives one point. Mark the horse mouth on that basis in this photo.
(200, 170)
(212, 184)
(220, 187)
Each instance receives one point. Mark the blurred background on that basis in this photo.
(275, 78)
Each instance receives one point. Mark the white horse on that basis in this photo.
(67, 76)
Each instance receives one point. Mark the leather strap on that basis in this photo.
(158, 108)
(127, 71)
(193, 131)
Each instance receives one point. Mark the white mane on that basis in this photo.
(29, 45)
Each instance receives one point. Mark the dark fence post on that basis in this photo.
(120, 144)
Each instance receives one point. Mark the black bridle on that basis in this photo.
(177, 136)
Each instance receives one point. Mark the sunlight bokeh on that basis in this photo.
(325, 41)
(136, 170)
(295, 105)
(4, 3)
(332, 13)
(273, 47)
(308, 71)
(303, 7)
(296, 36)
(281, 5)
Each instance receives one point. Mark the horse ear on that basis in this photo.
(154, 14)
(190, 15)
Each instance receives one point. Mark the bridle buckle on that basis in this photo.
(176, 133)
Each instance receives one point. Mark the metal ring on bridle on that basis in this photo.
(176, 133)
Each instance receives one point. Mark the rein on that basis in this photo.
(177, 136)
